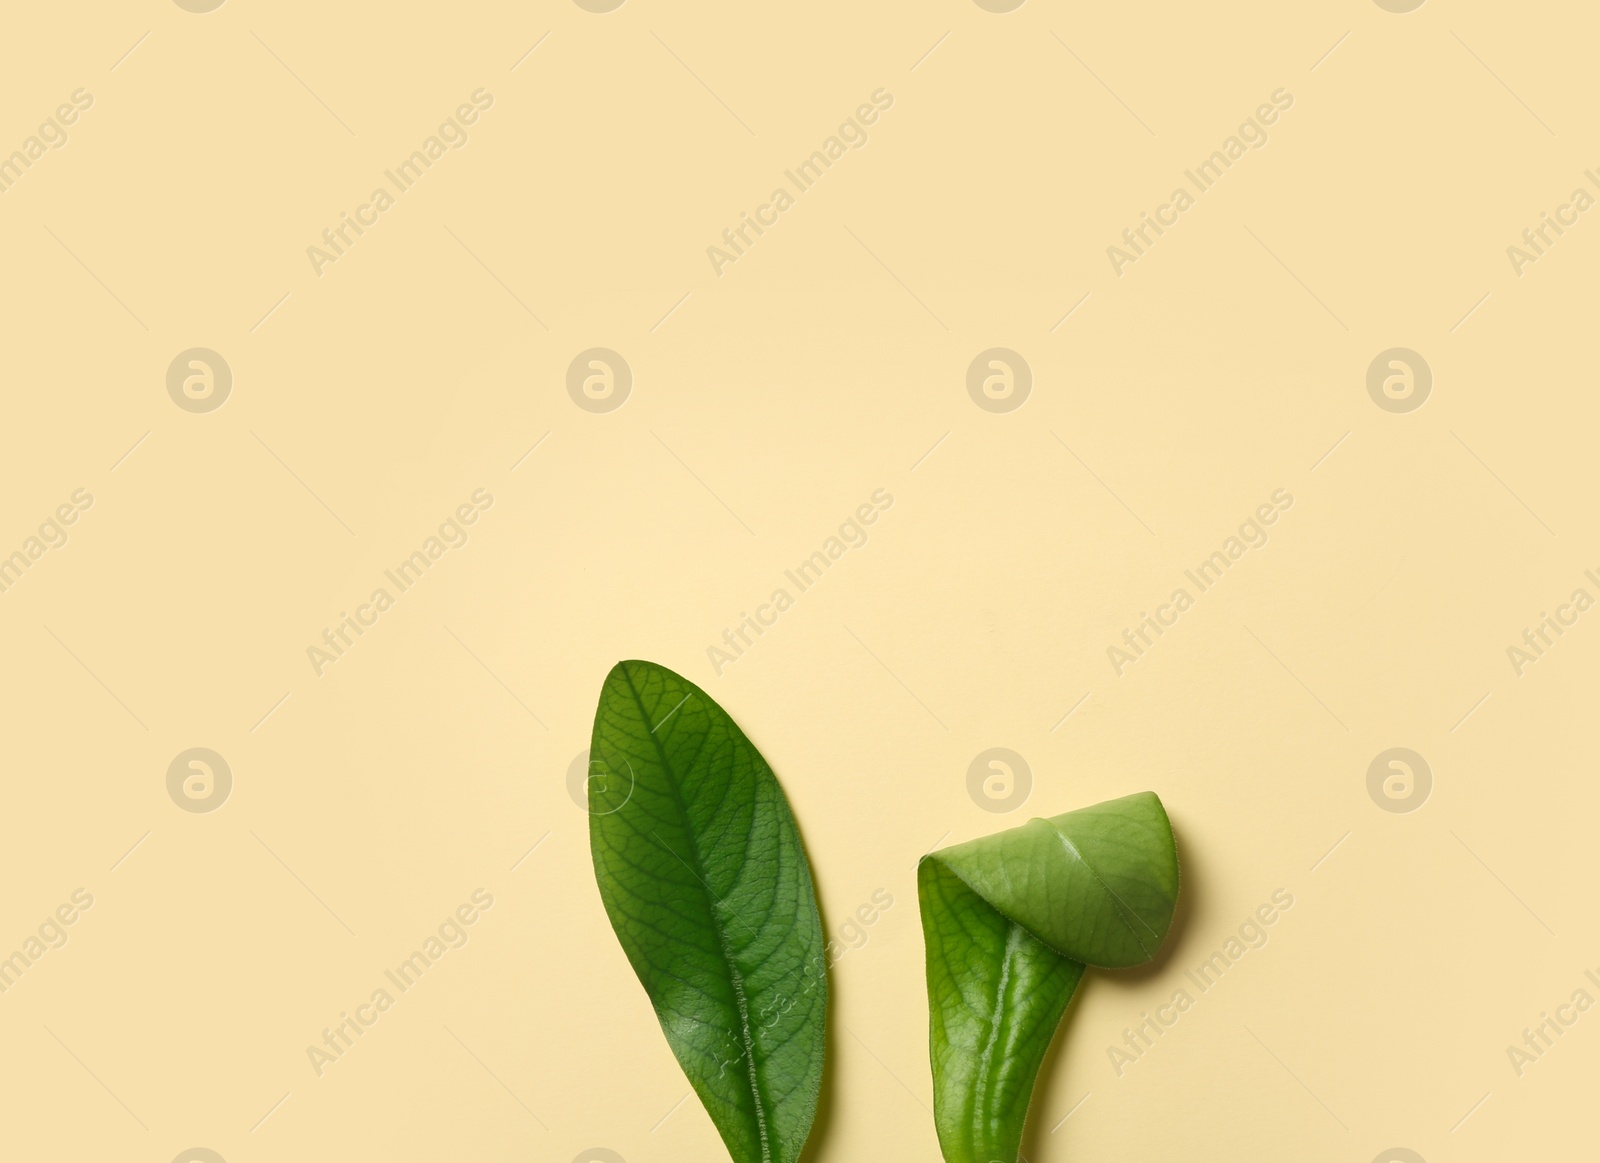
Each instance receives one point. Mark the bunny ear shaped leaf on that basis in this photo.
(1010, 922)
(703, 875)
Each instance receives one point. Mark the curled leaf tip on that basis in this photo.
(1010, 922)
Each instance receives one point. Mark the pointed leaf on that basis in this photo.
(703, 876)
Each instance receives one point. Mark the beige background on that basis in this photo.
(768, 402)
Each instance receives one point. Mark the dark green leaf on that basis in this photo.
(707, 886)
(1010, 922)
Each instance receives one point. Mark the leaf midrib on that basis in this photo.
(741, 1003)
(988, 1079)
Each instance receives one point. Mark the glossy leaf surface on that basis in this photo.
(704, 878)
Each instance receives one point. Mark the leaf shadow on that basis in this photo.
(816, 1145)
(1039, 1124)
(822, 1120)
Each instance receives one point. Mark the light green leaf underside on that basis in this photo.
(1010, 921)
(704, 878)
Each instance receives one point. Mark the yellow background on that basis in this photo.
(372, 399)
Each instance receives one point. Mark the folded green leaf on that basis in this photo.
(704, 878)
(1010, 922)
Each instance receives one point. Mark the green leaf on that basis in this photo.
(704, 878)
(1010, 922)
